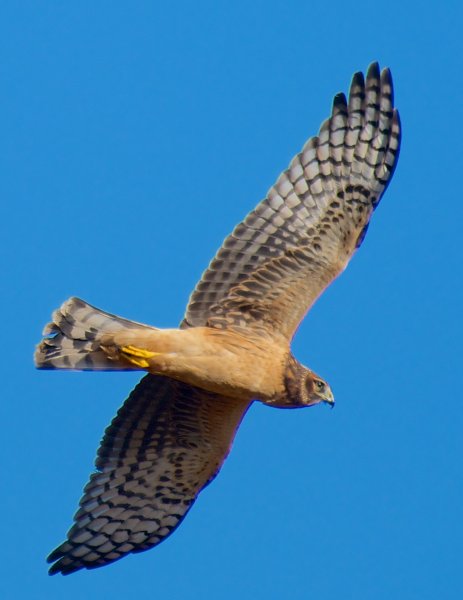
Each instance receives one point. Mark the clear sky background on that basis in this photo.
(133, 137)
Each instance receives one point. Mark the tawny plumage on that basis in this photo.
(174, 431)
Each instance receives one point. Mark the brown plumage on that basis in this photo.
(174, 431)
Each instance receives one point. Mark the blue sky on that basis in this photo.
(134, 136)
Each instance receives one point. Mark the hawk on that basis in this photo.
(173, 433)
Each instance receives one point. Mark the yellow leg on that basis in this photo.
(137, 356)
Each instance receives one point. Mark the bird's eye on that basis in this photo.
(320, 385)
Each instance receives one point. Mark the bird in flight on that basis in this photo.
(174, 431)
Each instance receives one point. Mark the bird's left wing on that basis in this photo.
(167, 442)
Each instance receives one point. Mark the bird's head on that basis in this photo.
(314, 390)
(302, 388)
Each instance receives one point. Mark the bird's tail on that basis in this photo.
(76, 337)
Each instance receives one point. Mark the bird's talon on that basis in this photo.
(133, 351)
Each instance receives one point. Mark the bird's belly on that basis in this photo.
(220, 362)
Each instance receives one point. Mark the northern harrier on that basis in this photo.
(171, 436)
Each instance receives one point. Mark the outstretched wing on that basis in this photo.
(167, 442)
(275, 264)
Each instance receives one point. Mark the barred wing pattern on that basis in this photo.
(275, 264)
(167, 442)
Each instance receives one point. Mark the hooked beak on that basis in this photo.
(329, 398)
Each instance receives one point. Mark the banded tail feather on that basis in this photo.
(73, 340)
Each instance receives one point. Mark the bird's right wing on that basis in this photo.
(275, 264)
(167, 442)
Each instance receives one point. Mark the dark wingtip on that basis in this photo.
(339, 103)
(386, 76)
(54, 555)
(373, 70)
(54, 570)
(357, 80)
(60, 565)
(386, 81)
(59, 569)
